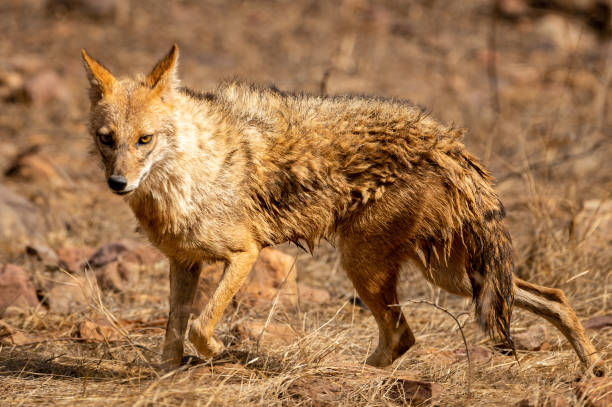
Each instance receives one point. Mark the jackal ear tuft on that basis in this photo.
(100, 78)
(163, 77)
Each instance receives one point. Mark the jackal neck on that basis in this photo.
(190, 183)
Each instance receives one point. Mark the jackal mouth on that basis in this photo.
(124, 192)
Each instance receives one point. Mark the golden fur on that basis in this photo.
(244, 167)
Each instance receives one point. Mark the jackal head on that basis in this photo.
(131, 120)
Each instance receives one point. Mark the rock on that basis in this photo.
(137, 252)
(28, 64)
(11, 87)
(564, 34)
(345, 379)
(68, 294)
(44, 254)
(44, 87)
(5, 330)
(599, 322)
(440, 356)
(308, 294)
(21, 221)
(411, 391)
(512, 9)
(552, 401)
(478, 354)
(32, 166)
(534, 338)
(16, 289)
(595, 391)
(275, 334)
(268, 274)
(318, 391)
(99, 330)
(342, 380)
(209, 278)
(94, 9)
(119, 275)
(11, 336)
(73, 259)
(271, 271)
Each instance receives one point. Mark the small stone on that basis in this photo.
(533, 339)
(12, 336)
(478, 354)
(209, 279)
(440, 356)
(119, 275)
(32, 166)
(412, 391)
(138, 252)
(599, 322)
(99, 330)
(45, 87)
(11, 87)
(73, 259)
(44, 254)
(68, 294)
(271, 271)
(564, 34)
(21, 222)
(16, 289)
(308, 294)
(95, 9)
(274, 334)
(317, 391)
(512, 8)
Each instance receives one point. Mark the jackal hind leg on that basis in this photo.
(374, 273)
(183, 284)
(552, 304)
(202, 328)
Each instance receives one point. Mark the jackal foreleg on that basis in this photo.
(202, 328)
(183, 284)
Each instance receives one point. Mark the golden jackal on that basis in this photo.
(220, 175)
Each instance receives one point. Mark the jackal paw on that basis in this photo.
(208, 346)
(169, 363)
(379, 358)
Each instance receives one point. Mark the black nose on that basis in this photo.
(117, 182)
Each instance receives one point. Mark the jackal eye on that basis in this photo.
(146, 139)
(106, 138)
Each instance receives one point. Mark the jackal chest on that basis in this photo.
(197, 234)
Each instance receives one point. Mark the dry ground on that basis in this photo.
(541, 123)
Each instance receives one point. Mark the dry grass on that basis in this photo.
(549, 146)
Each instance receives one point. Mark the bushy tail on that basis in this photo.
(491, 270)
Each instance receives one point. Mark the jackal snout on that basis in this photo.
(127, 165)
(117, 183)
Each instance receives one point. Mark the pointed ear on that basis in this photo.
(100, 78)
(163, 78)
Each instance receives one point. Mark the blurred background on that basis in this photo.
(530, 79)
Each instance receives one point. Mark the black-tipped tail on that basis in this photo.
(491, 270)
